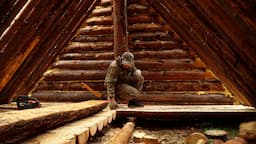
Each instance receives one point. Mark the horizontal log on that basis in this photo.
(96, 30)
(87, 56)
(178, 75)
(148, 97)
(93, 46)
(157, 45)
(65, 96)
(149, 18)
(137, 8)
(146, 26)
(152, 64)
(163, 54)
(66, 75)
(88, 38)
(106, 2)
(101, 20)
(168, 97)
(102, 11)
(17, 125)
(174, 86)
(147, 36)
(188, 111)
(82, 64)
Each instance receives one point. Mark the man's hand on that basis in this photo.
(112, 103)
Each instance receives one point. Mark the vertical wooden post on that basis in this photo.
(120, 27)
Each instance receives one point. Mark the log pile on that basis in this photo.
(167, 63)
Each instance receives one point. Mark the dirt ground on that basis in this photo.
(173, 131)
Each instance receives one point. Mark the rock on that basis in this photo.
(247, 130)
(216, 134)
(236, 140)
(196, 138)
(216, 141)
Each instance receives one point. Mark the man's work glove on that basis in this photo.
(112, 103)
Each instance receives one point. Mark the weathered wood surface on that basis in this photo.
(66, 96)
(88, 56)
(22, 68)
(188, 111)
(83, 47)
(149, 97)
(147, 86)
(77, 132)
(106, 20)
(120, 27)
(17, 125)
(96, 30)
(220, 54)
(102, 11)
(59, 75)
(89, 38)
(152, 64)
(124, 136)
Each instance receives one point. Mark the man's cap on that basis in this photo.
(127, 58)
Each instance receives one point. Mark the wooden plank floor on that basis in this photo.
(183, 111)
(16, 125)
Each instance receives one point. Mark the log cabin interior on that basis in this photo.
(198, 58)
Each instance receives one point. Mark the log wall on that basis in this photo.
(168, 64)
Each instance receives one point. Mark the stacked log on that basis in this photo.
(168, 65)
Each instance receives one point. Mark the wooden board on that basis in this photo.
(18, 124)
(183, 111)
(76, 132)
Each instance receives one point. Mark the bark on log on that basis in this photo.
(88, 56)
(124, 136)
(158, 45)
(67, 75)
(82, 64)
(120, 27)
(165, 54)
(96, 30)
(106, 2)
(88, 38)
(77, 47)
(102, 20)
(153, 64)
(144, 19)
(102, 11)
(174, 86)
(147, 36)
(148, 27)
(148, 97)
(65, 96)
(17, 125)
(166, 97)
(137, 8)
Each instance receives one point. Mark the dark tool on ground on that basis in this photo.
(26, 102)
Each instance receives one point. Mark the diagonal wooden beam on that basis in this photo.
(198, 33)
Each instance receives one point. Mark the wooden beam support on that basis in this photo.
(124, 135)
(120, 27)
(17, 125)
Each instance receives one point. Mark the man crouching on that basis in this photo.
(123, 81)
